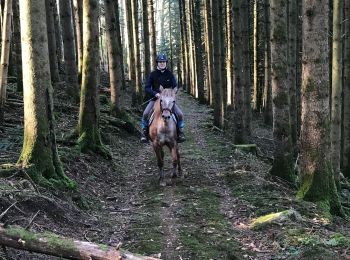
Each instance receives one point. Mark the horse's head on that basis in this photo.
(167, 101)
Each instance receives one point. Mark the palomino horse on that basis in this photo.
(163, 131)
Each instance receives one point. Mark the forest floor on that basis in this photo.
(207, 215)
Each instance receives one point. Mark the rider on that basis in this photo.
(161, 76)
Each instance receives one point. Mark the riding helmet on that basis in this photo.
(161, 57)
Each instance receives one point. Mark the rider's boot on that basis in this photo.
(181, 135)
(144, 134)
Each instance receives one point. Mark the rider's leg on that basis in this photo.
(144, 121)
(180, 123)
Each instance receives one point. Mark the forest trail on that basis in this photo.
(194, 218)
(205, 216)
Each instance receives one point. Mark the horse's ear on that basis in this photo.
(175, 90)
(161, 88)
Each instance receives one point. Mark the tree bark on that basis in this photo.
(152, 32)
(209, 48)
(336, 110)
(59, 41)
(283, 155)
(136, 46)
(292, 62)
(146, 39)
(114, 49)
(5, 52)
(346, 119)
(267, 84)
(239, 133)
(131, 54)
(199, 51)
(39, 153)
(17, 44)
(217, 52)
(52, 40)
(78, 17)
(52, 244)
(317, 180)
(69, 48)
(246, 77)
(88, 125)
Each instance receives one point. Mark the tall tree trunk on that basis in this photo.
(256, 106)
(246, 78)
(78, 17)
(186, 47)
(346, 119)
(283, 152)
(229, 53)
(114, 49)
(183, 50)
(209, 48)
(217, 87)
(317, 181)
(146, 38)
(131, 54)
(58, 31)
(17, 44)
(292, 62)
(336, 109)
(52, 40)
(120, 56)
(137, 64)
(240, 135)
(5, 52)
(199, 51)
(268, 118)
(89, 114)
(39, 153)
(192, 57)
(152, 32)
(69, 48)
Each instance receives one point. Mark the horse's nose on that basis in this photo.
(165, 117)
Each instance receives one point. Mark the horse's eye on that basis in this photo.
(174, 101)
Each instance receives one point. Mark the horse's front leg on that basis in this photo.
(175, 158)
(179, 169)
(160, 161)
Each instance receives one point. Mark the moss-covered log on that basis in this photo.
(52, 244)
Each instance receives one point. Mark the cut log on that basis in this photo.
(52, 244)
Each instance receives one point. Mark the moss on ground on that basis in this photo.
(207, 234)
(144, 235)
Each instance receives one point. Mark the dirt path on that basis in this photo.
(186, 216)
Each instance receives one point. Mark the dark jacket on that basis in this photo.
(157, 78)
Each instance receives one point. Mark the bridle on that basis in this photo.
(166, 108)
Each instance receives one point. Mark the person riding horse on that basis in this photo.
(162, 76)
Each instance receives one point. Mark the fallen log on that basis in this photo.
(52, 244)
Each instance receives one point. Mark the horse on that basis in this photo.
(163, 132)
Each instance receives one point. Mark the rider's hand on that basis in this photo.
(157, 95)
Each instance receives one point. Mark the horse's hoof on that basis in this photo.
(162, 183)
(174, 175)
